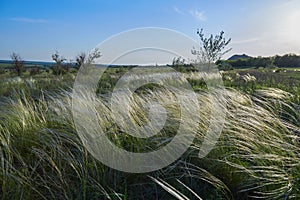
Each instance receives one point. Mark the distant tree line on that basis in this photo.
(289, 60)
(285, 61)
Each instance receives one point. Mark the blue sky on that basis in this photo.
(35, 29)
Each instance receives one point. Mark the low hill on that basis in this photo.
(236, 57)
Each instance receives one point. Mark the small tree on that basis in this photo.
(179, 61)
(80, 59)
(83, 58)
(59, 61)
(93, 56)
(212, 48)
(18, 63)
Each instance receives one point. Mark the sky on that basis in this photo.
(35, 29)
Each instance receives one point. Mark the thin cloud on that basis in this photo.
(177, 10)
(199, 15)
(250, 40)
(28, 20)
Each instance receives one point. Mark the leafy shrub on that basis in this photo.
(59, 70)
(2, 71)
(34, 71)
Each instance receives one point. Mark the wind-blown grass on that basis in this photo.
(257, 155)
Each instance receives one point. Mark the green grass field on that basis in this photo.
(256, 157)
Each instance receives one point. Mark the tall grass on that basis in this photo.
(257, 155)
